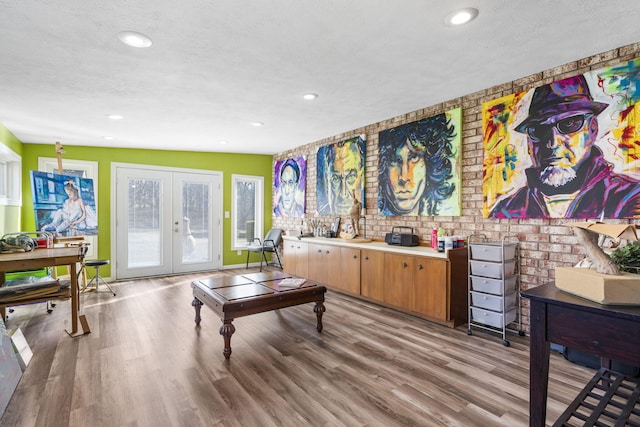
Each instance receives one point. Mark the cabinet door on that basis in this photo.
(430, 288)
(302, 263)
(398, 279)
(315, 257)
(290, 257)
(349, 277)
(331, 266)
(372, 274)
(295, 258)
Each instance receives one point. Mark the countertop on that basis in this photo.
(374, 245)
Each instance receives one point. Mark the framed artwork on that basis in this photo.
(419, 167)
(290, 184)
(568, 149)
(64, 204)
(81, 169)
(340, 172)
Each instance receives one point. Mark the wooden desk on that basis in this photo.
(41, 258)
(611, 332)
(236, 296)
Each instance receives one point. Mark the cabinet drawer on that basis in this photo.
(493, 286)
(493, 302)
(492, 318)
(492, 269)
(492, 252)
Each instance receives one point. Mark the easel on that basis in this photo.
(83, 270)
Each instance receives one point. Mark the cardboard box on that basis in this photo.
(604, 289)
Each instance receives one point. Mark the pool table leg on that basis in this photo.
(226, 330)
(197, 304)
(319, 309)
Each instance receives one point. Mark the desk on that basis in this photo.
(41, 258)
(236, 296)
(611, 332)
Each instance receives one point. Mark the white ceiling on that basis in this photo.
(217, 65)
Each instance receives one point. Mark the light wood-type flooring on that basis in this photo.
(145, 363)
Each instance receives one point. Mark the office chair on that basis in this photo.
(270, 244)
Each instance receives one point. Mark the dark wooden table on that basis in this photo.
(610, 332)
(236, 296)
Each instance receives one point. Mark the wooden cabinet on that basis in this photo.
(430, 288)
(336, 267)
(398, 279)
(324, 263)
(295, 258)
(372, 274)
(418, 280)
(419, 284)
(349, 279)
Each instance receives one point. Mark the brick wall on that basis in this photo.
(545, 243)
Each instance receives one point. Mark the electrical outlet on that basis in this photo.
(226, 214)
(239, 252)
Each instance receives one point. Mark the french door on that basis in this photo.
(167, 221)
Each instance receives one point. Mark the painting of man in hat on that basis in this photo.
(566, 173)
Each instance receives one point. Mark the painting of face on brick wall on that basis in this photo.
(290, 183)
(568, 149)
(340, 169)
(419, 167)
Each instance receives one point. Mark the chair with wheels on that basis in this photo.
(271, 242)
(97, 263)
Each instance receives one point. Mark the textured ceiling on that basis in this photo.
(217, 65)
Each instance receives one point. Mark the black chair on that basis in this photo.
(270, 243)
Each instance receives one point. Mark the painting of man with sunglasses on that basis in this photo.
(569, 176)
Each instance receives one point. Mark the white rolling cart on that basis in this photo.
(494, 285)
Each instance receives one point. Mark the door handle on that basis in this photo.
(420, 267)
(405, 265)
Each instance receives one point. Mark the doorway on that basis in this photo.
(168, 221)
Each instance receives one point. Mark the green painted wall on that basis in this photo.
(228, 164)
(10, 215)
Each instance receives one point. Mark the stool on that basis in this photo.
(97, 263)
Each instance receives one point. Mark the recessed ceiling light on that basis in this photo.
(222, 142)
(115, 117)
(461, 16)
(257, 124)
(134, 39)
(310, 95)
(108, 138)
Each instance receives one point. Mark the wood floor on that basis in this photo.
(145, 363)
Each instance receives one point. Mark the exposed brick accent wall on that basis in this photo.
(545, 244)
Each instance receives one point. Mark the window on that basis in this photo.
(247, 210)
(10, 177)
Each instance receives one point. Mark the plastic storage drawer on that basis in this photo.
(493, 302)
(492, 269)
(492, 251)
(493, 286)
(492, 318)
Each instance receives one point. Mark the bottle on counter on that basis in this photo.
(448, 243)
(434, 238)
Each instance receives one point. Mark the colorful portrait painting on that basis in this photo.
(419, 167)
(64, 205)
(567, 149)
(340, 169)
(290, 183)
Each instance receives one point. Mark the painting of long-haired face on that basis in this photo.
(419, 167)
